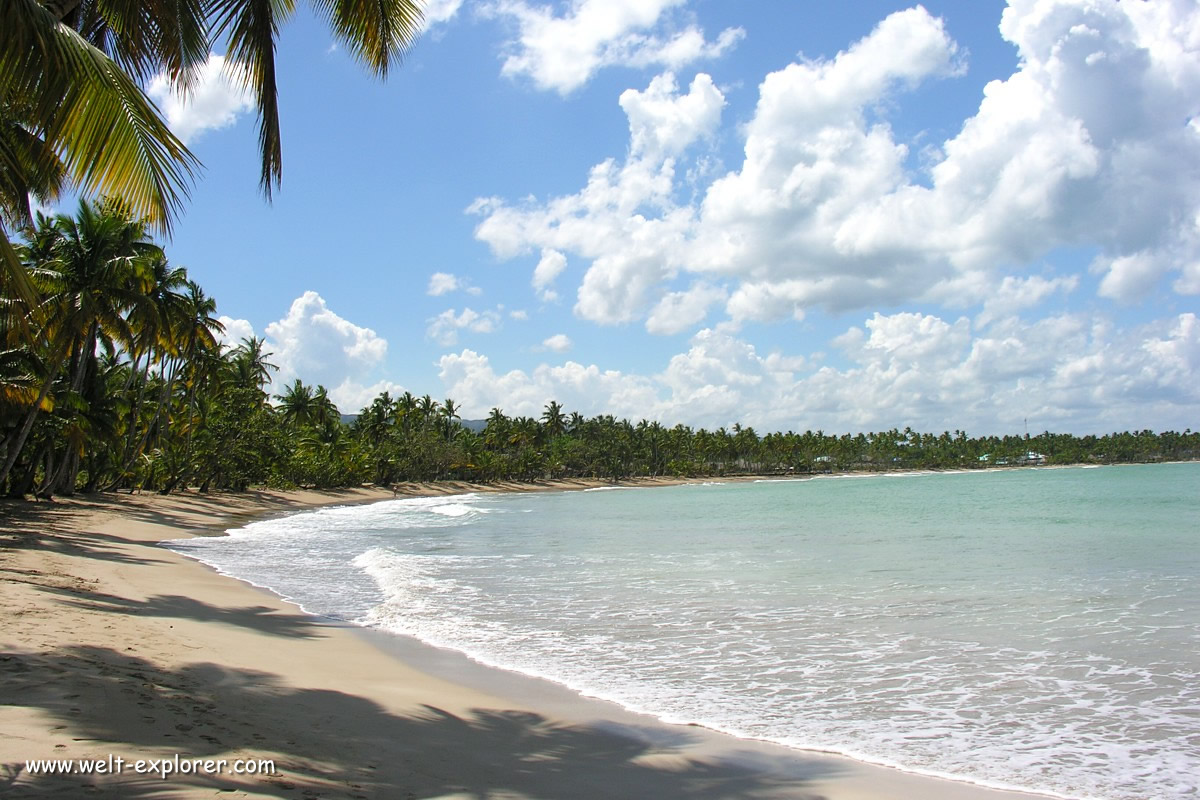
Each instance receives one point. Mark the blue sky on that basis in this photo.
(793, 215)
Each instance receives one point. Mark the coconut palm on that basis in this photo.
(448, 412)
(296, 406)
(93, 278)
(250, 366)
(554, 420)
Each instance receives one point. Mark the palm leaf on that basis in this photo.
(147, 37)
(14, 280)
(377, 32)
(28, 166)
(108, 134)
(252, 27)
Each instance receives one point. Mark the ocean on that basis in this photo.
(1034, 629)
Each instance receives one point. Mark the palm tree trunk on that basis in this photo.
(17, 441)
(130, 453)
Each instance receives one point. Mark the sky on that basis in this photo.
(835, 216)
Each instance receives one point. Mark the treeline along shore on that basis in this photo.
(116, 379)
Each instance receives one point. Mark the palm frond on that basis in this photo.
(14, 280)
(28, 166)
(252, 27)
(108, 134)
(377, 32)
(147, 37)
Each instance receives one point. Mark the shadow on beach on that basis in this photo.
(331, 744)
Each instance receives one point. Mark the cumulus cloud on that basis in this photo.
(558, 343)
(445, 327)
(350, 396)
(561, 53)
(316, 345)
(470, 378)
(437, 12)
(548, 268)
(441, 283)
(1062, 371)
(235, 331)
(216, 100)
(608, 221)
(1015, 294)
(679, 311)
(663, 123)
(1092, 143)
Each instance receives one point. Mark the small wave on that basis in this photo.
(453, 510)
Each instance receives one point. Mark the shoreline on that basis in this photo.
(117, 646)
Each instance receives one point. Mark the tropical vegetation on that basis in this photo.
(115, 377)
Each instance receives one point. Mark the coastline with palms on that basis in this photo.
(128, 417)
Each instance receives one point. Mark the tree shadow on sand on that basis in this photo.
(333, 744)
(264, 619)
(51, 528)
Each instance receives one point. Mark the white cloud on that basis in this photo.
(470, 379)
(608, 221)
(1062, 371)
(548, 268)
(445, 327)
(317, 346)
(678, 311)
(1092, 143)
(235, 331)
(563, 52)
(216, 100)
(1015, 294)
(558, 343)
(518, 314)
(437, 12)
(441, 283)
(350, 396)
(663, 123)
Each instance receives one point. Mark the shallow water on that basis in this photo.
(1035, 629)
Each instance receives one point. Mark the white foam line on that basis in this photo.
(596, 694)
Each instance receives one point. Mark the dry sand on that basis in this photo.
(113, 646)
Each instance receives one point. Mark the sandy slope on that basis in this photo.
(111, 645)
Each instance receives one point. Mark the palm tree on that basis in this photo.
(296, 404)
(448, 411)
(93, 278)
(427, 408)
(406, 407)
(325, 412)
(250, 365)
(554, 419)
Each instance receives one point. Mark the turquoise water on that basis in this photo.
(1035, 629)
